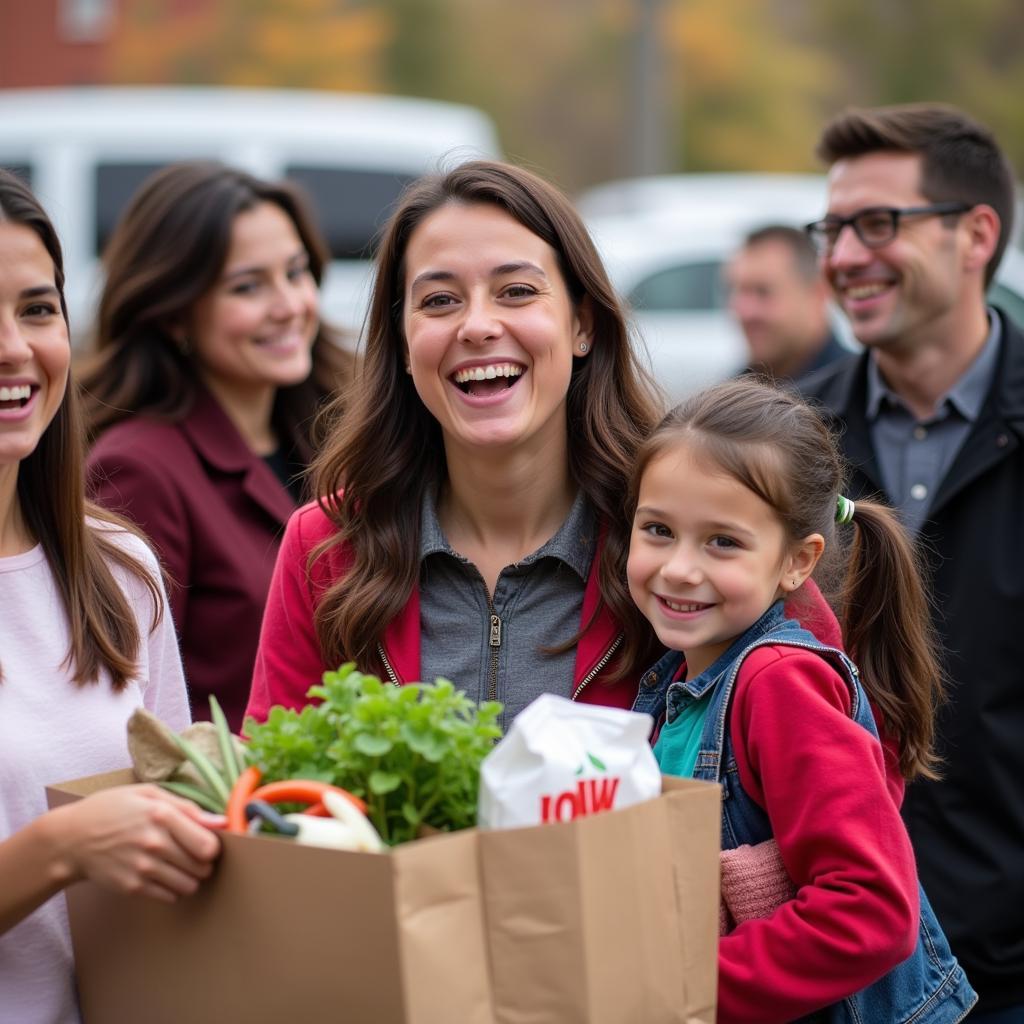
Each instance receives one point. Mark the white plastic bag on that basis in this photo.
(561, 760)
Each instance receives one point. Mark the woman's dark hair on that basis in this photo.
(51, 497)
(166, 252)
(780, 448)
(386, 451)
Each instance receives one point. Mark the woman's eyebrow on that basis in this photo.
(250, 268)
(298, 256)
(40, 291)
(517, 267)
(432, 275)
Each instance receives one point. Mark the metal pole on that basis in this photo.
(647, 104)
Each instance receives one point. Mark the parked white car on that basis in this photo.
(85, 151)
(665, 241)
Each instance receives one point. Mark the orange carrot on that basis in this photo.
(241, 793)
(302, 791)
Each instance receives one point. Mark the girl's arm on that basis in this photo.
(133, 839)
(288, 659)
(821, 778)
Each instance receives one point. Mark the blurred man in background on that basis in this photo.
(920, 210)
(779, 298)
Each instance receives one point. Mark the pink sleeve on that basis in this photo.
(288, 659)
(164, 692)
(821, 779)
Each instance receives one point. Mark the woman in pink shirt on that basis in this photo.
(84, 640)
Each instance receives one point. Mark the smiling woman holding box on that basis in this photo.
(84, 640)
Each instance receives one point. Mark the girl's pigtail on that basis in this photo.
(887, 631)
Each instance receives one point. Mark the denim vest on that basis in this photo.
(929, 987)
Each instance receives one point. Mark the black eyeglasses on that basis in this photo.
(875, 226)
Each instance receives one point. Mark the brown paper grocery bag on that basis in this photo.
(437, 910)
(606, 920)
(288, 933)
(609, 919)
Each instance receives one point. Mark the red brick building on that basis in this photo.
(70, 42)
(55, 42)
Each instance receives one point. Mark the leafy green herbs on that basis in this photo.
(411, 752)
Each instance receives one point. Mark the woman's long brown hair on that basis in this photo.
(780, 448)
(167, 251)
(385, 451)
(51, 497)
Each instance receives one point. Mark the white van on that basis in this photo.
(84, 151)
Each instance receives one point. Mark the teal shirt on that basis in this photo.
(679, 740)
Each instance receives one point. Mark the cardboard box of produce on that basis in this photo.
(608, 919)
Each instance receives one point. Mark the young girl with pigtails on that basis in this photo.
(737, 503)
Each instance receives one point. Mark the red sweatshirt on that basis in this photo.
(833, 798)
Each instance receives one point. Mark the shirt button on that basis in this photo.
(920, 433)
(650, 679)
(919, 492)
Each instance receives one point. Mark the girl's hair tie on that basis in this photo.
(844, 510)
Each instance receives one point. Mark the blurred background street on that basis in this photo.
(594, 94)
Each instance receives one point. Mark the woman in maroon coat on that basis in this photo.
(209, 366)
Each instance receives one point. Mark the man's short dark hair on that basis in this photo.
(805, 255)
(960, 158)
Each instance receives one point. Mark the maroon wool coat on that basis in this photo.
(215, 513)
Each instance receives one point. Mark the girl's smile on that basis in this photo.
(685, 609)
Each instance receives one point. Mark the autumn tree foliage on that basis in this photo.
(314, 44)
(740, 84)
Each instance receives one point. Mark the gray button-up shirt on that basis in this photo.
(915, 455)
(537, 603)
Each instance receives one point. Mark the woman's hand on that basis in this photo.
(137, 840)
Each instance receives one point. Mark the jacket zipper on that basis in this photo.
(591, 675)
(494, 642)
(392, 676)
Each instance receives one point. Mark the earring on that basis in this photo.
(583, 346)
(184, 345)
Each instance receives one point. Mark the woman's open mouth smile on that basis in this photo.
(16, 400)
(487, 381)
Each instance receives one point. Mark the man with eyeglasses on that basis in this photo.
(919, 213)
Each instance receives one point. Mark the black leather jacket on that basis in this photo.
(968, 829)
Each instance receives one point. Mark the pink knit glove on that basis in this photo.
(754, 882)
